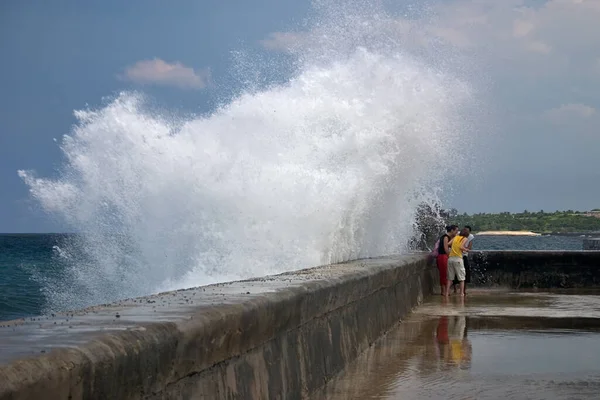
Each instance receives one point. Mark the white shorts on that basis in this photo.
(456, 268)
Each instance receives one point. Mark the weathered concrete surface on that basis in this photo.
(591, 244)
(536, 269)
(276, 337)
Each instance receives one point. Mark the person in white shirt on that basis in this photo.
(469, 245)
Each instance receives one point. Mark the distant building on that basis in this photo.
(592, 213)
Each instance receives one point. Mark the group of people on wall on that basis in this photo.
(451, 257)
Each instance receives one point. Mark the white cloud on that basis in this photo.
(538, 38)
(527, 32)
(571, 111)
(570, 121)
(159, 72)
(537, 46)
(522, 28)
(535, 54)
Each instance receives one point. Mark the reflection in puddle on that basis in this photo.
(454, 348)
(455, 351)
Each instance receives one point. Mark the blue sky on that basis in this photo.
(542, 60)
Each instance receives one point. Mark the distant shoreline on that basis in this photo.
(508, 233)
(530, 233)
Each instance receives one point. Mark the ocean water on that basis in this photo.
(23, 259)
(547, 242)
(29, 264)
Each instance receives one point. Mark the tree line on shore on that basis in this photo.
(540, 222)
(431, 220)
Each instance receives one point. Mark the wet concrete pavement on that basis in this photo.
(491, 345)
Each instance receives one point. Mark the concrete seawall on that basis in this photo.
(276, 337)
(536, 269)
(591, 244)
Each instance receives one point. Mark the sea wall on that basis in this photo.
(276, 337)
(536, 269)
(591, 244)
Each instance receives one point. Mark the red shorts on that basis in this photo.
(442, 264)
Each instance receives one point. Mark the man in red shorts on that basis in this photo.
(442, 257)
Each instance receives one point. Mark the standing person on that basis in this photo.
(468, 245)
(442, 257)
(456, 266)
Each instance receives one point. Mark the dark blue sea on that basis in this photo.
(27, 260)
(24, 260)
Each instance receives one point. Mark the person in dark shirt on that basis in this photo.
(442, 257)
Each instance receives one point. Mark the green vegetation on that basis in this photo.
(431, 219)
(539, 222)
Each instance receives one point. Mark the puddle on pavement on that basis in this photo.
(489, 346)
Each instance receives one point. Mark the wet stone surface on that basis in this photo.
(491, 345)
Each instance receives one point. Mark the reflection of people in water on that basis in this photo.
(442, 338)
(454, 347)
(442, 330)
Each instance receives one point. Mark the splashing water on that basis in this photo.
(327, 167)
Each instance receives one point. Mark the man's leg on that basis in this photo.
(451, 274)
(460, 274)
(467, 272)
